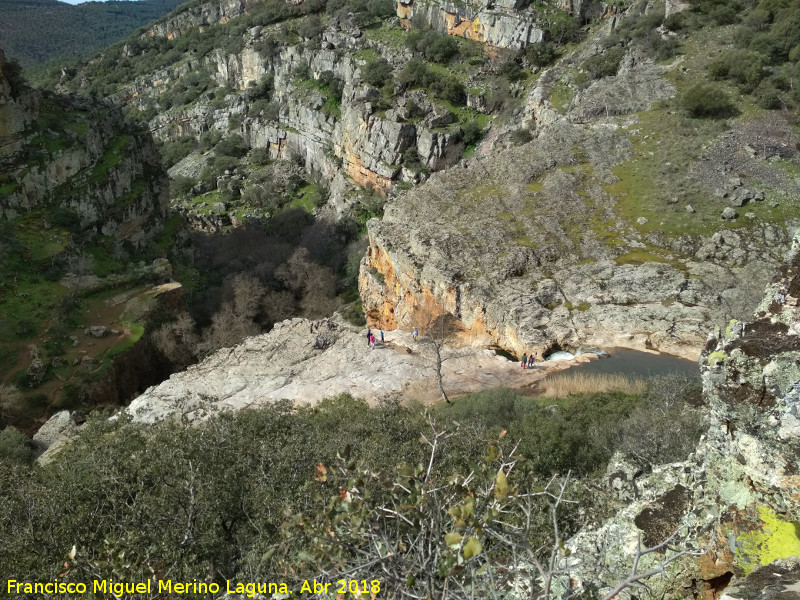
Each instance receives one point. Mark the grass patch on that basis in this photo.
(367, 54)
(665, 144)
(639, 257)
(136, 333)
(304, 198)
(392, 37)
(561, 386)
(109, 159)
(560, 96)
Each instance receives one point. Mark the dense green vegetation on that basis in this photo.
(173, 500)
(36, 31)
(42, 321)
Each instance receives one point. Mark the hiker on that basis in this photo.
(371, 342)
(530, 361)
(524, 360)
(415, 333)
(381, 336)
(369, 336)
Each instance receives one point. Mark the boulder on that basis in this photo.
(729, 214)
(96, 331)
(57, 427)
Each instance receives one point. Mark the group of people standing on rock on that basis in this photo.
(526, 362)
(371, 339)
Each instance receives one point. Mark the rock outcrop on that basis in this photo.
(522, 260)
(295, 363)
(351, 142)
(498, 24)
(78, 159)
(734, 504)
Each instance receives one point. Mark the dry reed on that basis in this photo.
(558, 386)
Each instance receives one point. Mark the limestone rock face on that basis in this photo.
(751, 375)
(496, 23)
(355, 141)
(86, 164)
(293, 362)
(523, 265)
(736, 501)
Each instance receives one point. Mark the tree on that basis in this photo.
(417, 533)
(439, 329)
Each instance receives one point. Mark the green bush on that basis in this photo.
(605, 64)
(541, 54)
(471, 133)
(432, 45)
(416, 74)
(180, 186)
(744, 67)
(707, 100)
(233, 145)
(377, 73)
(512, 71)
(15, 447)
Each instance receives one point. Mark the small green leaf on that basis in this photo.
(500, 485)
(452, 539)
(472, 548)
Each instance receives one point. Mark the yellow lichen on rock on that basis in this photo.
(773, 540)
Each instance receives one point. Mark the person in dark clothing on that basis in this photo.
(530, 361)
(381, 336)
(524, 360)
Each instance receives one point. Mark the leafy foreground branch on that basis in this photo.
(422, 536)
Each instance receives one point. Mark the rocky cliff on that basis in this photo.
(734, 504)
(74, 156)
(306, 361)
(360, 135)
(614, 226)
(82, 199)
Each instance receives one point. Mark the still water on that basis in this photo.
(638, 364)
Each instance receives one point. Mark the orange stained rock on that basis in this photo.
(277, 150)
(363, 176)
(404, 10)
(471, 30)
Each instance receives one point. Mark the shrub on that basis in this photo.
(471, 133)
(451, 90)
(605, 64)
(707, 100)
(768, 97)
(416, 74)
(512, 71)
(432, 45)
(659, 47)
(377, 73)
(311, 28)
(15, 447)
(541, 54)
(233, 145)
(261, 90)
(744, 67)
(180, 186)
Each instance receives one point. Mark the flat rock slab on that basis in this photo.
(284, 364)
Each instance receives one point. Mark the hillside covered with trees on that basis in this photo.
(36, 31)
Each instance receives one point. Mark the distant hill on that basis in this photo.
(36, 31)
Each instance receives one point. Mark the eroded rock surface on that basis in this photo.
(736, 502)
(287, 363)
